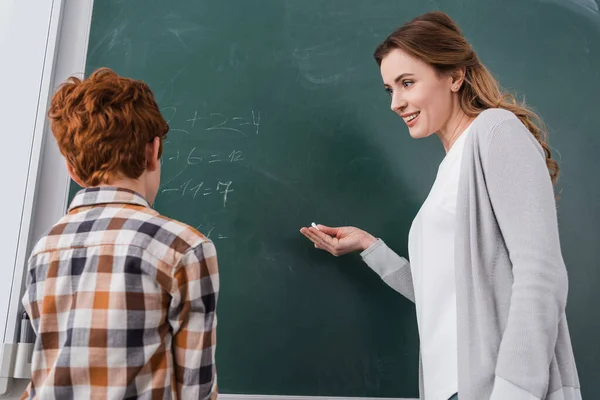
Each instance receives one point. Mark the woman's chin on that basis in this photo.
(417, 134)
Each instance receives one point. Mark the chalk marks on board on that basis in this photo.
(195, 118)
(209, 231)
(215, 121)
(191, 158)
(177, 34)
(194, 188)
(172, 178)
(234, 156)
(169, 113)
(196, 152)
(173, 185)
(220, 124)
(194, 157)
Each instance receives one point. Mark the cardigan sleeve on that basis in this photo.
(522, 198)
(393, 269)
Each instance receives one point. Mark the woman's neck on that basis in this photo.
(455, 126)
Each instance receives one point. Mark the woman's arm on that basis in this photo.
(522, 198)
(393, 269)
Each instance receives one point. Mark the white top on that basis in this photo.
(431, 253)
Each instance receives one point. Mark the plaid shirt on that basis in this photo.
(123, 303)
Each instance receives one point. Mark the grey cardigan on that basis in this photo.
(511, 281)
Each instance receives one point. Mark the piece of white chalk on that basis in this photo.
(315, 226)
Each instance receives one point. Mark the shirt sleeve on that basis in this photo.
(522, 198)
(393, 269)
(192, 315)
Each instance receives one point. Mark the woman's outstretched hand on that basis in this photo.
(339, 241)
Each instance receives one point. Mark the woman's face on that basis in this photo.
(420, 95)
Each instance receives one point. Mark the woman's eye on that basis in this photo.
(389, 91)
(407, 83)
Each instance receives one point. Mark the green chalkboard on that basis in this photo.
(278, 118)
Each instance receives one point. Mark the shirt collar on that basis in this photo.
(107, 195)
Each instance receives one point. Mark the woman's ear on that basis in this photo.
(458, 78)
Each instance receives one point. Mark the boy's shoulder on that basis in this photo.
(134, 226)
(188, 236)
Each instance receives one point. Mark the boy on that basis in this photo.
(121, 298)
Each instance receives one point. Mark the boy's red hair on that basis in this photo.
(102, 125)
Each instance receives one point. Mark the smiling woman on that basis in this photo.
(486, 272)
(424, 62)
(423, 97)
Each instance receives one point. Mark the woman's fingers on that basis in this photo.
(323, 237)
(321, 240)
(311, 235)
(327, 243)
(328, 230)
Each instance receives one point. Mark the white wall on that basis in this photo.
(38, 52)
(22, 79)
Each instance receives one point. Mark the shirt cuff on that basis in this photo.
(381, 259)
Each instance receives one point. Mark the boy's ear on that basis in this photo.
(73, 175)
(152, 150)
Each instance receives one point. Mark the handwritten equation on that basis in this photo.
(194, 161)
(244, 125)
(193, 158)
(193, 189)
